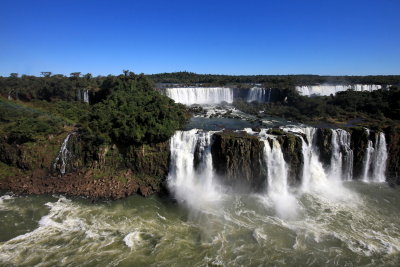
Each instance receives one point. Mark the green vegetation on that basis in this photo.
(133, 114)
(377, 108)
(21, 124)
(268, 81)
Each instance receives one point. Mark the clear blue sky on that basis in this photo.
(333, 37)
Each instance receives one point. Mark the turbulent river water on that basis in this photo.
(360, 226)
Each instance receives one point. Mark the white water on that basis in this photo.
(326, 90)
(341, 166)
(259, 95)
(194, 187)
(367, 158)
(83, 95)
(375, 160)
(86, 96)
(277, 178)
(379, 160)
(63, 156)
(200, 95)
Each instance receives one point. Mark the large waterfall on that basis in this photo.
(193, 181)
(326, 90)
(193, 184)
(200, 95)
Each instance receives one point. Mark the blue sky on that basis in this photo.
(332, 37)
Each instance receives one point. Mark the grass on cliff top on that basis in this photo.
(21, 123)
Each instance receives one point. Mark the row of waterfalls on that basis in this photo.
(327, 89)
(217, 95)
(193, 179)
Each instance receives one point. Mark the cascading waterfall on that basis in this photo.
(341, 166)
(63, 155)
(190, 185)
(325, 90)
(367, 158)
(193, 181)
(86, 96)
(374, 163)
(259, 95)
(277, 176)
(379, 158)
(82, 95)
(200, 95)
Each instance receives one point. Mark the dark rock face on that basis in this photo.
(238, 159)
(359, 143)
(292, 152)
(323, 141)
(393, 162)
(110, 172)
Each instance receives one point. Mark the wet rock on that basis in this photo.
(238, 159)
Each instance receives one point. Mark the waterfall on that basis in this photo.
(379, 158)
(277, 177)
(200, 95)
(367, 158)
(63, 155)
(82, 95)
(259, 95)
(341, 166)
(191, 184)
(277, 169)
(326, 90)
(86, 96)
(374, 163)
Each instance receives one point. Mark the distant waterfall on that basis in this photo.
(200, 95)
(326, 90)
(375, 160)
(191, 185)
(82, 95)
(63, 156)
(259, 95)
(86, 96)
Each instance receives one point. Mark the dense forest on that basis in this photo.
(126, 108)
(123, 109)
(375, 109)
(54, 87)
(269, 81)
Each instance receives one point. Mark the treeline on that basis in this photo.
(378, 106)
(53, 87)
(123, 109)
(269, 81)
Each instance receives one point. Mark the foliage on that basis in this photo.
(132, 113)
(268, 81)
(23, 124)
(376, 105)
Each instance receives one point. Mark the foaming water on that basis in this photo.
(277, 176)
(148, 231)
(193, 185)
